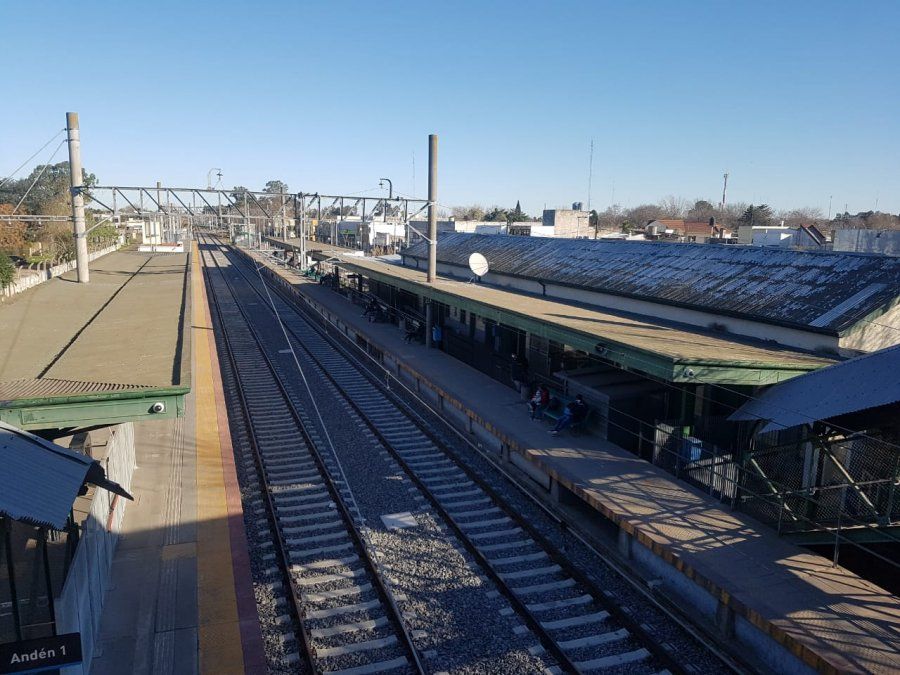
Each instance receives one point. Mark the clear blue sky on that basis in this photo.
(797, 100)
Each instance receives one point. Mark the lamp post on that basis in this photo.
(390, 194)
(209, 177)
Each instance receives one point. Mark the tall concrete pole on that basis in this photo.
(81, 252)
(432, 207)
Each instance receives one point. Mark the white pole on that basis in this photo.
(81, 252)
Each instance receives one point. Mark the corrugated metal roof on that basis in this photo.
(865, 382)
(46, 387)
(39, 480)
(828, 291)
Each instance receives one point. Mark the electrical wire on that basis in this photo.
(38, 177)
(16, 170)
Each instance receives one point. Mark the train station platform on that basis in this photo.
(788, 608)
(181, 598)
(78, 355)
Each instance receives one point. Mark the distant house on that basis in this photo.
(694, 231)
(567, 223)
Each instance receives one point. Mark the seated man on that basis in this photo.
(575, 413)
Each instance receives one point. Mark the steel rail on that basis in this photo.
(711, 641)
(600, 597)
(385, 595)
(296, 605)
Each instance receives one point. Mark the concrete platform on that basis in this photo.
(182, 599)
(119, 340)
(788, 607)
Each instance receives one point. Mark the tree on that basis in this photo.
(473, 212)
(12, 236)
(275, 187)
(49, 195)
(805, 215)
(237, 194)
(703, 210)
(757, 215)
(673, 207)
(609, 220)
(516, 215)
(640, 215)
(7, 271)
(496, 214)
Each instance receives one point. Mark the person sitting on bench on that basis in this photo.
(414, 331)
(576, 412)
(372, 310)
(539, 401)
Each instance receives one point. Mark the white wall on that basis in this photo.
(40, 276)
(80, 604)
(885, 242)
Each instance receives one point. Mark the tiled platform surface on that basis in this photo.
(181, 599)
(829, 617)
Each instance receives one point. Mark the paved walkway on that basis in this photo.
(829, 617)
(181, 599)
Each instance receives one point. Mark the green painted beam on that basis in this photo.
(105, 408)
(714, 371)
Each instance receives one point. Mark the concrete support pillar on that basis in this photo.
(81, 251)
(624, 543)
(725, 620)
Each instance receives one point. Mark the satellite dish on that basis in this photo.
(478, 264)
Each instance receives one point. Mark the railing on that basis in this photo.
(751, 483)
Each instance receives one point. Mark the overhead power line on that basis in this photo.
(16, 170)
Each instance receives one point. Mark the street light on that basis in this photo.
(390, 194)
(209, 177)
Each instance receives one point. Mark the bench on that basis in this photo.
(553, 413)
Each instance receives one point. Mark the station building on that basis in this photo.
(665, 341)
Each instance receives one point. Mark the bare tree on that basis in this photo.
(472, 212)
(805, 215)
(673, 207)
(642, 214)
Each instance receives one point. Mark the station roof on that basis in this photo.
(819, 291)
(865, 382)
(674, 352)
(75, 355)
(40, 480)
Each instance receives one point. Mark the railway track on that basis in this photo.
(582, 627)
(345, 620)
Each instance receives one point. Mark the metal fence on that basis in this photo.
(78, 608)
(803, 485)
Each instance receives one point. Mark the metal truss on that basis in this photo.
(230, 207)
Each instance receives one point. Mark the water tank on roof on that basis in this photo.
(576, 206)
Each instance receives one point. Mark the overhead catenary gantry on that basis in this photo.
(257, 212)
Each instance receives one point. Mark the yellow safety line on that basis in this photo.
(219, 633)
